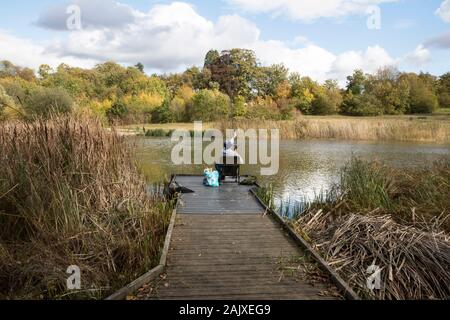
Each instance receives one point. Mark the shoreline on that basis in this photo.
(430, 129)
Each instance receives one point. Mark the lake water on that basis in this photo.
(307, 168)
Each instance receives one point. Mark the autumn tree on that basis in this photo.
(235, 71)
(444, 90)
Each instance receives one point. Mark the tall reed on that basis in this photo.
(346, 128)
(70, 194)
(398, 220)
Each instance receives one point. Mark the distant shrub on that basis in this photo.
(323, 104)
(361, 105)
(158, 133)
(162, 114)
(209, 105)
(43, 102)
(423, 101)
(118, 111)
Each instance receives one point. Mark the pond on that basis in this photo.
(307, 168)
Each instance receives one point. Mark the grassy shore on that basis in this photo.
(396, 128)
(432, 128)
(70, 194)
(398, 220)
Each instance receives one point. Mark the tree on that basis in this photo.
(140, 67)
(423, 100)
(269, 79)
(361, 105)
(44, 71)
(239, 107)
(422, 97)
(44, 102)
(163, 114)
(118, 111)
(327, 99)
(235, 71)
(303, 91)
(5, 101)
(209, 105)
(211, 58)
(356, 83)
(392, 91)
(444, 90)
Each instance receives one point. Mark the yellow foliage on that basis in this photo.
(143, 102)
(283, 90)
(186, 93)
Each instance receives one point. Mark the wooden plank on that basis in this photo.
(348, 291)
(224, 246)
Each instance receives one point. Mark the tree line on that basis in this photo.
(231, 84)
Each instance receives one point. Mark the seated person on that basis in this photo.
(230, 154)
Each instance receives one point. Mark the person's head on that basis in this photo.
(228, 145)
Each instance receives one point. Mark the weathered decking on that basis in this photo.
(224, 246)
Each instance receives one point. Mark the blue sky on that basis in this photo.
(320, 40)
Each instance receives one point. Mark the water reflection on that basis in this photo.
(307, 168)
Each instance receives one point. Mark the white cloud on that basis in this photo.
(168, 37)
(172, 37)
(444, 11)
(308, 10)
(370, 60)
(27, 53)
(94, 13)
(419, 57)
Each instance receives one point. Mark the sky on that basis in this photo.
(323, 39)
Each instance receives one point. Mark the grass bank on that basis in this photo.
(398, 220)
(401, 128)
(70, 194)
(431, 128)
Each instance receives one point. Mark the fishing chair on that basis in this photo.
(230, 167)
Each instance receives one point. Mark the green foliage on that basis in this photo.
(127, 95)
(361, 105)
(392, 91)
(118, 111)
(8, 69)
(162, 114)
(269, 79)
(140, 67)
(5, 101)
(422, 97)
(444, 90)
(239, 107)
(356, 82)
(323, 105)
(209, 105)
(44, 102)
(235, 71)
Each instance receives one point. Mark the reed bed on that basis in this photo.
(70, 194)
(397, 220)
(346, 128)
(414, 264)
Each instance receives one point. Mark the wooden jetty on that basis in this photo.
(226, 245)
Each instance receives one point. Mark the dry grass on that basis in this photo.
(415, 264)
(351, 128)
(396, 219)
(70, 194)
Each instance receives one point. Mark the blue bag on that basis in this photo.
(211, 178)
